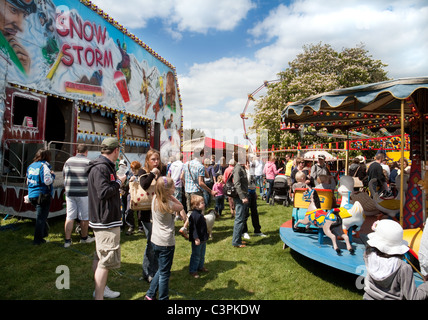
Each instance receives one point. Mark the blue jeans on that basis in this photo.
(197, 259)
(150, 264)
(238, 226)
(219, 204)
(259, 183)
(160, 282)
(42, 213)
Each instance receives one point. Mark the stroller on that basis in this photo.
(281, 191)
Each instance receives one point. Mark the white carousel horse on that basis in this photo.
(355, 209)
(391, 207)
(329, 221)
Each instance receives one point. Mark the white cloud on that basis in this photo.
(179, 15)
(396, 33)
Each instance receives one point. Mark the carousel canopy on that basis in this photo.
(370, 106)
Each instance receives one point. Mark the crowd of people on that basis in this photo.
(97, 197)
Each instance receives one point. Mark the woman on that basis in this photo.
(40, 180)
(136, 171)
(270, 172)
(151, 171)
(300, 166)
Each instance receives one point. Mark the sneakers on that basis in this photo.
(108, 293)
(87, 240)
(260, 234)
(246, 236)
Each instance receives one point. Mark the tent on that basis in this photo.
(211, 147)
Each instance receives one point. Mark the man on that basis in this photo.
(258, 171)
(240, 182)
(104, 211)
(12, 16)
(174, 172)
(76, 195)
(319, 169)
(193, 176)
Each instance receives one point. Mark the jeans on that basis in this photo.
(150, 263)
(238, 226)
(219, 204)
(41, 229)
(252, 205)
(259, 183)
(160, 282)
(197, 259)
(270, 181)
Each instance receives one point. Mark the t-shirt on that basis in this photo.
(163, 227)
(288, 168)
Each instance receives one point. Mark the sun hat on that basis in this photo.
(361, 159)
(388, 237)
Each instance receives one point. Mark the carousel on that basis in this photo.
(396, 105)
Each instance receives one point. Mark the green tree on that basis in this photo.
(319, 68)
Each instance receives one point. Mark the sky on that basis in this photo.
(223, 50)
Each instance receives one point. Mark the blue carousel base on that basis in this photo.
(320, 248)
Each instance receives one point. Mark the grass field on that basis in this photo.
(261, 271)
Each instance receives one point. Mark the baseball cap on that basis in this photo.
(110, 144)
(321, 156)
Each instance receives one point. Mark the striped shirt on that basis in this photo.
(192, 180)
(76, 176)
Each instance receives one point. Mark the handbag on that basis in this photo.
(357, 182)
(141, 199)
(229, 187)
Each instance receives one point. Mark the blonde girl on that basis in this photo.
(164, 206)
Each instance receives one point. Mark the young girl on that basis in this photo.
(164, 206)
(219, 198)
(198, 235)
(389, 277)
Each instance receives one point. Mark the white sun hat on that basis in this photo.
(388, 237)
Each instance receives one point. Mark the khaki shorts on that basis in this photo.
(108, 247)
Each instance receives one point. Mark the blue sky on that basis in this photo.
(224, 49)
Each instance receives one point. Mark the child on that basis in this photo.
(219, 198)
(164, 206)
(389, 277)
(300, 181)
(198, 235)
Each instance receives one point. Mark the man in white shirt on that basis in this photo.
(258, 172)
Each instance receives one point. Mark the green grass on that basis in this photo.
(261, 271)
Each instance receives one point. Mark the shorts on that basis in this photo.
(108, 247)
(77, 207)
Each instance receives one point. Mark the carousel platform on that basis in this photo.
(309, 245)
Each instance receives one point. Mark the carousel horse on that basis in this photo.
(391, 207)
(329, 221)
(355, 209)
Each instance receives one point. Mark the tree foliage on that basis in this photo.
(319, 68)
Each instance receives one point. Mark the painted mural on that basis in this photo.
(75, 50)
